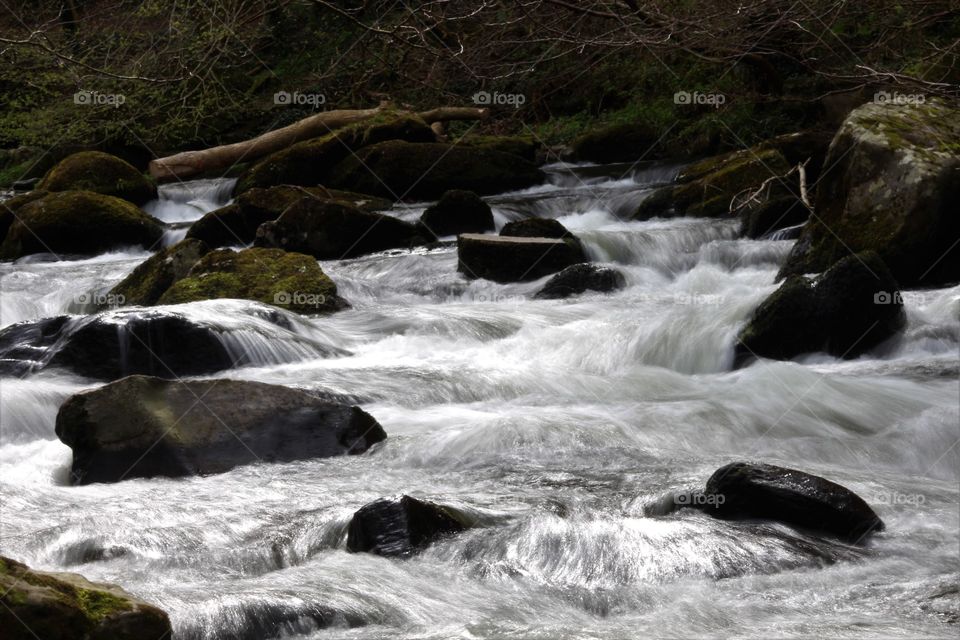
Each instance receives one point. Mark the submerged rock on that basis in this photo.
(852, 308)
(402, 170)
(761, 491)
(458, 212)
(143, 426)
(401, 527)
(78, 222)
(333, 230)
(66, 606)
(514, 259)
(579, 278)
(152, 277)
(891, 185)
(101, 173)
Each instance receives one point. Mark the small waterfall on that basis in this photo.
(188, 201)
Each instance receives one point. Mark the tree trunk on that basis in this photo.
(192, 163)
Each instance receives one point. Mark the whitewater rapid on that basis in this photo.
(554, 422)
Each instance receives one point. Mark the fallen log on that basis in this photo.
(188, 164)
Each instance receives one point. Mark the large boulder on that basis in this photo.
(101, 173)
(458, 212)
(237, 223)
(143, 426)
(308, 163)
(401, 527)
(615, 143)
(152, 277)
(852, 308)
(891, 185)
(743, 490)
(66, 606)
(706, 188)
(402, 170)
(523, 146)
(78, 222)
(578, 278)
(9, 207)
(333, 230)
(291, 280)
(514, 259)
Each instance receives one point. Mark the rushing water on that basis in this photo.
(554, 422)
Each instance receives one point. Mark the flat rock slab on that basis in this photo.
(515, 259)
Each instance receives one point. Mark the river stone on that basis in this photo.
(78, 222)
(852, 308)
(152, 277)
(457, 212)
(616, 143)
(401, 527)
(778, 210)
(9, 207)
(766, 492)
(579, 278)
(66, 606)
(101, 173)
(514, 259)
(526, 147)
(402, 170)
(333, 230)
(892, 186)
(143, 426)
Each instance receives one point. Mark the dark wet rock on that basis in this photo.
(101, 173)
(457, 212)
(616, 143)
(579, 278)
(766, 492)
(526, 147)
(310, 162)
(401, 170)
(66, 606)
(541, 228)
(78, 222)
(27, 184)
(332, 230)
(25, 346)
(152, 277)
(293, 281)
(852, 308)
(892, 185)
(401, 527)
(771, 213)
(514, 259)
(143, 426)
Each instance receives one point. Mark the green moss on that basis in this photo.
(101, 173)
(151, 278)
(98, 605)
(524, 146)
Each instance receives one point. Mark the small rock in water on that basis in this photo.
(579, 278)
(458, 212)
(401, 527)
(514, 259)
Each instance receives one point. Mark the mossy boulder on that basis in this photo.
(66, 606)
(525, 147)
(237, 223)
(308, 163)
(402, 170)
(891, 185)
(457, 212)
(101, 173)
(514, 259)
(78, 222)
(9, 207)
(616, 143)
(152, 277)
(293, 281)
(580, 278)
(401, 527)
(141, 427)
(854, 306)
(706, 188)
(333, 230)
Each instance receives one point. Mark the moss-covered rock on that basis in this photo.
(333, 230)
(891, 185)
(525, 147)
(457, 212)
(78, 222)
(616, 143)
(101, 173)
(66, 606)
(152, 277)
(290, 280)
(308, 163)
(9, 207)
(402, 170)
(852, 308)
(706, 188)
